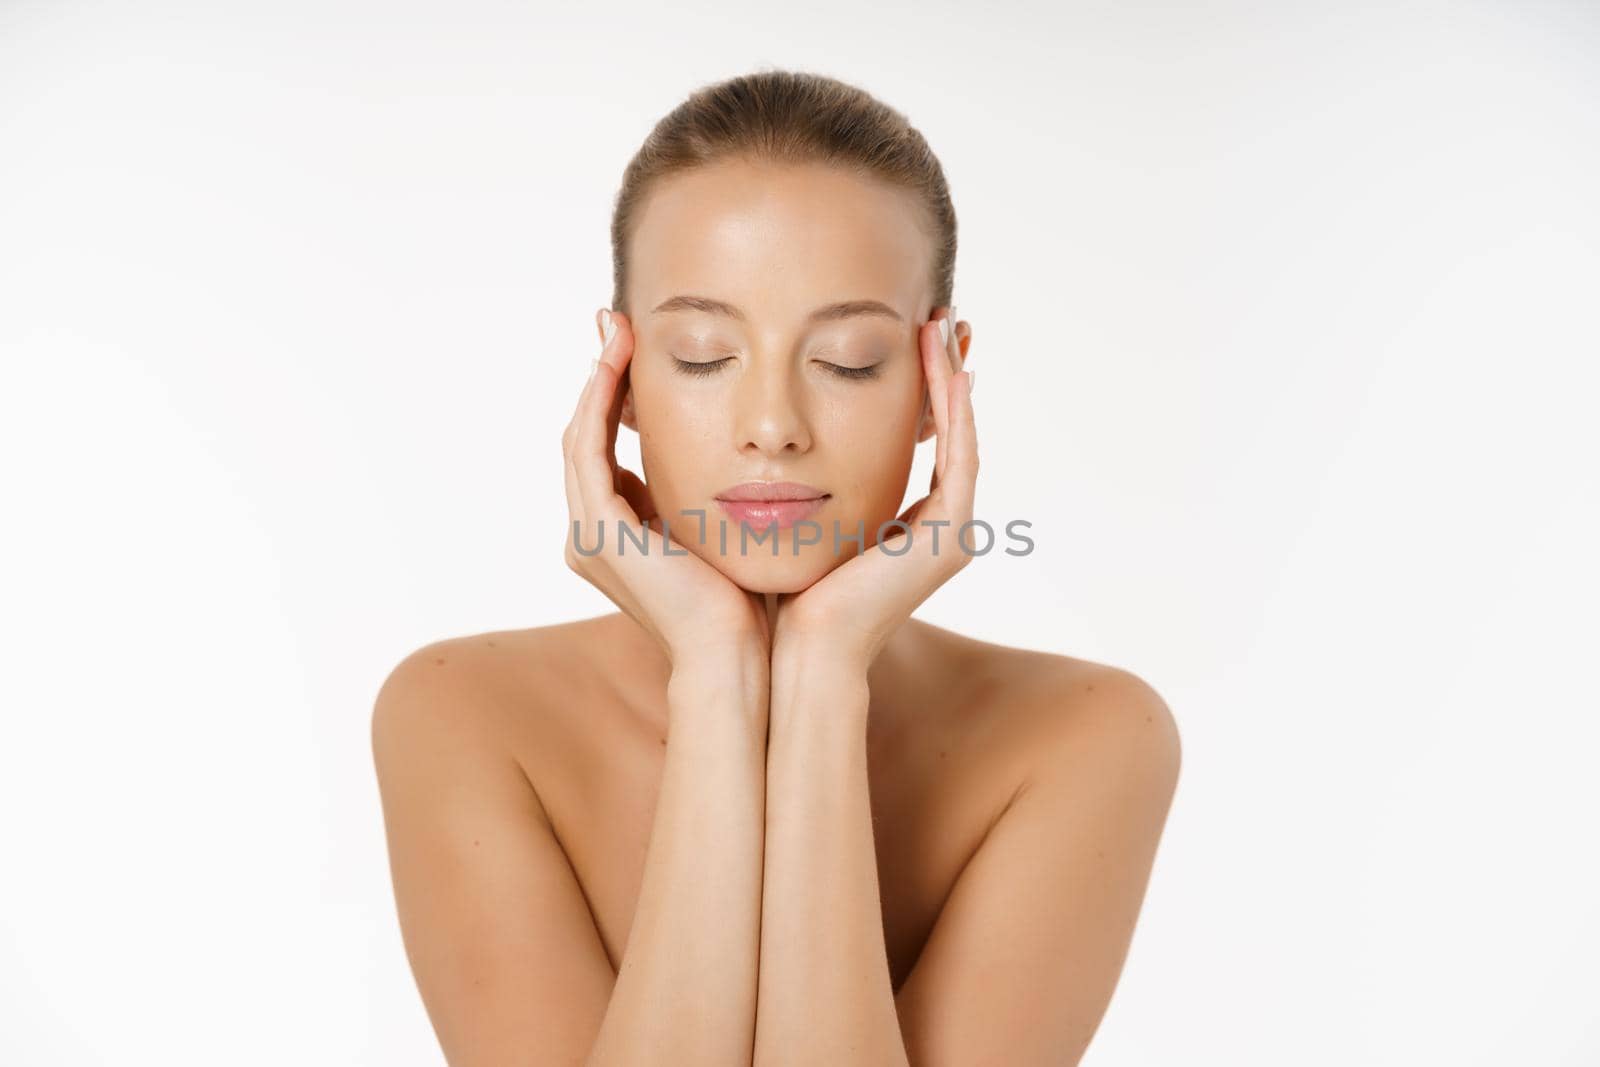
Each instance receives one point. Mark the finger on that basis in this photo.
(955, 341)
(931, 364)
(569, 434)
(569, 441)
(575, 513)
(959, 487)
(570, 476)
(619, 353)
(928, 376)
(953, 366)
(592, 457)
(936, 365)
(951, 503)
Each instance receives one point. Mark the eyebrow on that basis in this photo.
(845, 309)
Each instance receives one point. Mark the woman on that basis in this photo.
(761, 814)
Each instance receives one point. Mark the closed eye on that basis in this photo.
(854, 372)
(701, 370)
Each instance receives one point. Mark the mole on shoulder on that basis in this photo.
(439, 662)
(491, 644)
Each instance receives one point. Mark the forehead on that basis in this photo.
(780, 239)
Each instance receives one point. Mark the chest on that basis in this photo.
(932, 797)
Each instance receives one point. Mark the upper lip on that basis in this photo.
(771, 491)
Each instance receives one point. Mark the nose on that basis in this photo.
(770, 410)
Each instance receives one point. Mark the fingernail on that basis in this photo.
(610, 326)
(594, 365)
(953, 319)
(944, 330)
(972, 381)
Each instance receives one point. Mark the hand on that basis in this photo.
(854, 610)
(688, 606)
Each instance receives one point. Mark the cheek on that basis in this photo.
(686, 420)
(676, 430)
(878, 441)
(880, 424)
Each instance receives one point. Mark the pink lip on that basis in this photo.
(760, 504)
(771, 491)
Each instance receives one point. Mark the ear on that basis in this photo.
(927, 427)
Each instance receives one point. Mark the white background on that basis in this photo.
(1286, 318)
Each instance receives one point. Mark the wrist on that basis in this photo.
(740, 673)
(829, 661)
(715, 651)
(819, 680)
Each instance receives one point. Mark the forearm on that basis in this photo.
(825, 990)
(686, 987)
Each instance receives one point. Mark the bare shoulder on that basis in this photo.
(488, 689)
(1031, 941)
(494, 920)
(1063, 708)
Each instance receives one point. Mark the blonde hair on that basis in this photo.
(784, 116)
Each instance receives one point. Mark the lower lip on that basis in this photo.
(763, 513)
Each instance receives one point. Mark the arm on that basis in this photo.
(1030, 944)
(496, 927)
(826, 995)
(825, 990)
(1025, 955)
(686, 990)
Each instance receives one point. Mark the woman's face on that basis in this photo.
(794, 295)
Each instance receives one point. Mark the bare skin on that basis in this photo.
(956, 727)
(597, 763)
(762, 815)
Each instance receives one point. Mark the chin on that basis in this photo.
(787, 572)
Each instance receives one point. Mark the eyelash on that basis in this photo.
(701, 370)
